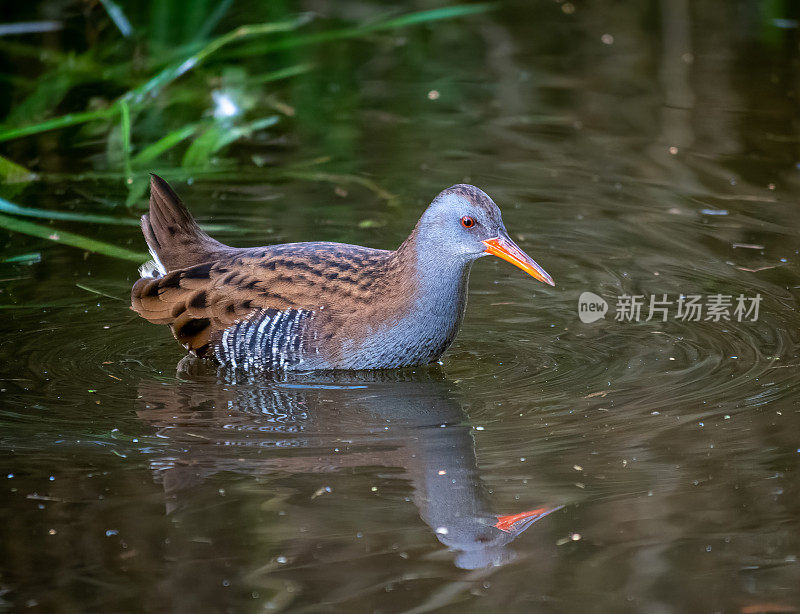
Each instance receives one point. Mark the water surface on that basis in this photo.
(646, 149)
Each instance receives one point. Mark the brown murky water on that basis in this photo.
(640, 150)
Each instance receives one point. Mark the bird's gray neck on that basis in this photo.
(433, 289)
(443, 287)
(442, 290)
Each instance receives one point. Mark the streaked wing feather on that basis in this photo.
(201, 302)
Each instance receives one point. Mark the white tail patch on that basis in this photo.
(152, 268)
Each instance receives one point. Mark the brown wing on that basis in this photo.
(205, 299)
(201, 302)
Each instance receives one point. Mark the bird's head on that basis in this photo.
(463, 222)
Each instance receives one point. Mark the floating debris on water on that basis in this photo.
(321, 491)
(572, 537)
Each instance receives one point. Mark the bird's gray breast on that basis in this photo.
(418, 336)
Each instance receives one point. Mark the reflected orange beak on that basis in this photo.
(519, 522)
(505, 248)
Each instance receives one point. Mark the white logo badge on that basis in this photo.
(591, 307)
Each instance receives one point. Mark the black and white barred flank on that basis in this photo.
(268, 339)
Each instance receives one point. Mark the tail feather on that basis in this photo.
(173, 236)
(172, 285)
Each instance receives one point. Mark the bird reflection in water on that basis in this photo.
(400, 419)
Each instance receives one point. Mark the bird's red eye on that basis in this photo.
(467, 221)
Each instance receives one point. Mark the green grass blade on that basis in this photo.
(35, 51)
(208, 26)
(448, 12)
(100, 292)
(69, 216)
(137, 189)
(164, 144)
(283, 73)
(201, 149)
(217, 137)
(73, 119)
(172, 72)
(11, 172)
(50, 90)
(69, 238)
(30, 258)
(92, 218)
(451, 12)
(30, 27)
(338, 178)
(126, 139)
(118, 17)
(33, 306)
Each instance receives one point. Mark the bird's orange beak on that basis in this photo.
(505, 248)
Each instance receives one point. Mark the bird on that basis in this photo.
(319, 306)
